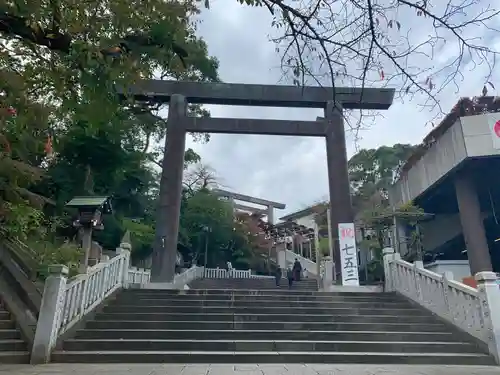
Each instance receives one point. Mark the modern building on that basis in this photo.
(455, 175)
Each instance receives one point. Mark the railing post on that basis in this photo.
(125, 250)
(49, 319)
(489, 294)
(328, 278)
(418, 265)
(447, 275)
(388, 255)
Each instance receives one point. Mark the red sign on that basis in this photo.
(496, 128)
(347, 233)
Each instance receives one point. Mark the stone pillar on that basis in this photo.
(472, 224)
(270, 215)
(388, 256)
(338, 176)
(328, 278)
(169, 202)
(281, 255)
(125, 249)
(49, 319)
(489, 293)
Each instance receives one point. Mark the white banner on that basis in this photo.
(494, 125)
(348, 254)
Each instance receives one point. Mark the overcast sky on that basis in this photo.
(291, 170)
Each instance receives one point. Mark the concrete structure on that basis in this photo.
(454, 176)
(269, 205)
(179, 94)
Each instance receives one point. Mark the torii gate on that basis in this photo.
(268, 211)
(179, 94)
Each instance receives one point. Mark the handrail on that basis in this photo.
(305, 263)
(28, 291)
(65, 302)
(457, 303)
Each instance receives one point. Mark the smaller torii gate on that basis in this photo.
(268, 211)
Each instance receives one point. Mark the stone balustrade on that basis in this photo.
(474, 311)
(65, 302)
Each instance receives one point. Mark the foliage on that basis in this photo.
(371, 172)
(208, 223)
(64, 130)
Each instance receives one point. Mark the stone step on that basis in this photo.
(242, 317)
(16, 357)
(270, 281)
(9, 334)
(4, 315)
(165, 292)
(262, 309)
(386, 326)
(272, 357)
(269, 345)
(12, 345)
(283, 287)
(181, 334)
(136, 296)
(268, 303)
(7, 324)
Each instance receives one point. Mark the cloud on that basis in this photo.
(292, 170)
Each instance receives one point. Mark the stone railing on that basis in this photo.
(306, 263)
(220, 273)
(475, 311)
(138, 275)
(182, 279)
(65, 302)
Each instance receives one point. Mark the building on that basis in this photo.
(455, 176)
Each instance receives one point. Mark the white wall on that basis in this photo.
(446, 153)
(307, 221)
(478, 134)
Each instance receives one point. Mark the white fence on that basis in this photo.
(475, 311)
(65, 302)
(220, 273)
(182, 279)
(138, 275)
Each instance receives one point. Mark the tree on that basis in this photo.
(374, 42)
(371, 172)
(64, 130)
(208, 221)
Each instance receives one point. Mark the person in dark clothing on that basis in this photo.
(297, 270)
(289, 275)
(277, 276)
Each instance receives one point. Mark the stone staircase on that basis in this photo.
(267, 326)
(12, 348)
(252, 284)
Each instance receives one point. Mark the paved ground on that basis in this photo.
(267, 369)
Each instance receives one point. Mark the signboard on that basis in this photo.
(348, 254)
(494, 125)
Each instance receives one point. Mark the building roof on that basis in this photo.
(464, 107)
(87, 201)
(302, 213)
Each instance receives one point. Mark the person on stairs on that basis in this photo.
(297, 270)
(289, 275)
(277, 276)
